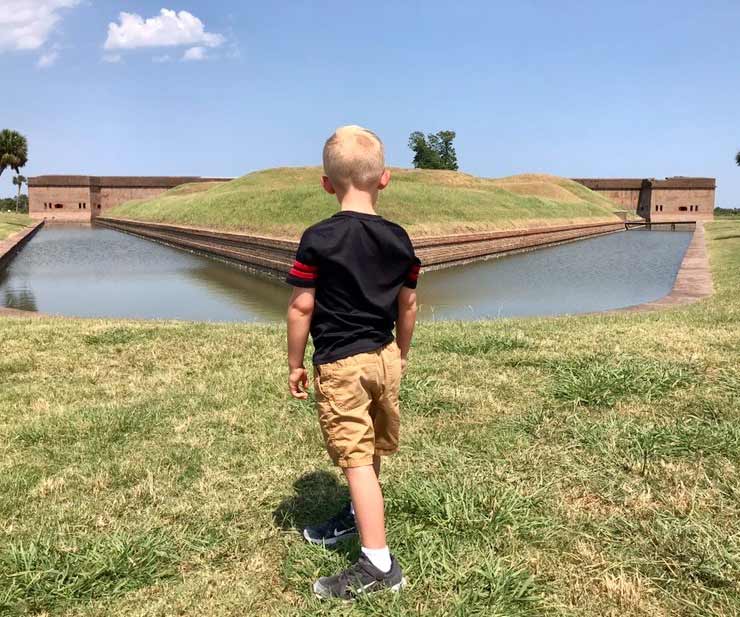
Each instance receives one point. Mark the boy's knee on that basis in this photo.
(359, 471)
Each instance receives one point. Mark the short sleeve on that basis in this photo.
(413, 274)
(305, 269)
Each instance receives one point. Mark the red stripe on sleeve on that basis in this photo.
(303, 275)
(297, 265)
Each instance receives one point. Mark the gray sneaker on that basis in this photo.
(340, 527)
(362, 577)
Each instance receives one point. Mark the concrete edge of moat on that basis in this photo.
(274, 256)
(693, 281)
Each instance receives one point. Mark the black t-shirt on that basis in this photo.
(358, 263)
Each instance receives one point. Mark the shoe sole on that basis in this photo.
(394, 589)
(329, 541)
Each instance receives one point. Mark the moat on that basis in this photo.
(95, 272)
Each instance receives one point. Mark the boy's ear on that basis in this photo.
(328, 186)
(384, 179)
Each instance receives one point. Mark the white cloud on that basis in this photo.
(27, 24)
(168, 29)
(195, 53)
(112, 58)
(48, 59)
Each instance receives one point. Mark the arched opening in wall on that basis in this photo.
(682, 208)
(58, 206)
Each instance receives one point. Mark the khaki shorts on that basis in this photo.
(357, 404)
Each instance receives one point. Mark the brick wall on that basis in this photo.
(677, 199)
(682, 204)
(69, 203)
(110, 197)
(628, 199)
(80, 198)
(275, 256)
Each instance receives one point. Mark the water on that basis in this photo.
(96, 272)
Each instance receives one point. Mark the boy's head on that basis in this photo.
(354, 158)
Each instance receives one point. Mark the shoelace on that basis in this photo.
(354, 574)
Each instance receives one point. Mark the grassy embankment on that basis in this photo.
(567, 466)
(11, 223)
(283, 202)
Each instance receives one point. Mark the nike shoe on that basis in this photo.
(340, 527)
(362, 577)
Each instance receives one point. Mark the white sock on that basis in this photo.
(379, 557)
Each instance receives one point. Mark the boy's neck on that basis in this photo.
(358, 201)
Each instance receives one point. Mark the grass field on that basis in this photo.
(11, 223)
(576, 466)
(285, 201)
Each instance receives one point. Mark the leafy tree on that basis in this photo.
(425, 156)
(13, 151)
(433, 151)
(19, 181)
(737, 158)
(447, 150)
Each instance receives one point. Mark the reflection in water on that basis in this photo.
(94, 272)
(597, 274)
(21, 298)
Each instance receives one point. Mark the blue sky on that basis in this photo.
(629, 89)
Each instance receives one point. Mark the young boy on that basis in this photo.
(354, 278)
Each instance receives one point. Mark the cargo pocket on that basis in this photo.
(327, 415)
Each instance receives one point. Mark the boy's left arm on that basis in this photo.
(300, 310)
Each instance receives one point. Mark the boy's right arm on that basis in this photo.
(406, 322)
(300, 310)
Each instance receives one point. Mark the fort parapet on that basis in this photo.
(672, 199)
(82, 198)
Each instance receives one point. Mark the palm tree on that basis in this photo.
(13, 151)
(19, 180)
(737, 158)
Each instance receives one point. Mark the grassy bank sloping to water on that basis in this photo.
(576, 466)
(284, 201)
(11, 223)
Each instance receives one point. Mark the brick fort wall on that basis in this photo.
(82, 198)
(672, 199)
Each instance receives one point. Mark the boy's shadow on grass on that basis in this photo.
(318, 495)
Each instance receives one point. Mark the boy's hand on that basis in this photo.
(298, 383)
(404, 364)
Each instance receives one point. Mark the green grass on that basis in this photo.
(578, 466)
(283, 202)
(11, 223)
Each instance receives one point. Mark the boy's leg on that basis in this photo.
(376, 468)
(367, 500)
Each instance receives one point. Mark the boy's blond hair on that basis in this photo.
(354, 156)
